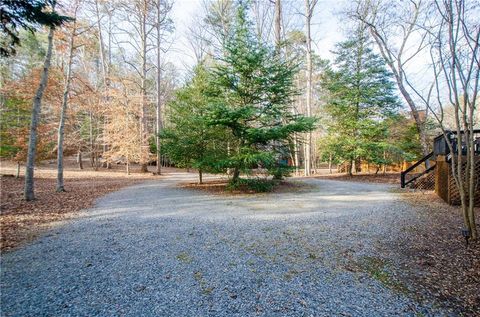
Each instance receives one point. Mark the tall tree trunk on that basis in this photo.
(159, 91)
(63, 112)
(17, 174)
(200, 176)
(105, 69)
(143, 115)
(37, 104)
(309, 6)
(278, 25)
(102, 48)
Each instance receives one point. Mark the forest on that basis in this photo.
(257, 98)
(111, 96)
(239, 157)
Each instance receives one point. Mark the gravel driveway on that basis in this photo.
(158, 250)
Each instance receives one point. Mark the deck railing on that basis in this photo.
(403, 176)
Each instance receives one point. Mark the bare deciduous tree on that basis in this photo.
(66, 92)
(455, 47)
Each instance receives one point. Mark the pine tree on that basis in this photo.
(253, 89)
(191, 141)
(360, 96)
(25, 14)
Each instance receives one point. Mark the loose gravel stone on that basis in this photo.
(157, 250)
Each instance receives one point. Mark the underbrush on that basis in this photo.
(258, 185)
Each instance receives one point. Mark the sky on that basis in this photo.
(329, 27)
(326, 29)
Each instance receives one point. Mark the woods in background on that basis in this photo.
(259, 96)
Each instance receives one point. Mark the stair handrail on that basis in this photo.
(405, 172)
(428, 170)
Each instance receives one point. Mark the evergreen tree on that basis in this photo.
(253, 90)
(360, 95)
(191, 141)
(25, 14)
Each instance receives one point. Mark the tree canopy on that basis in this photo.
(25, 14)
(360, 97)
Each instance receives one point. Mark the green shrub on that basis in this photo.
(257, 185)
(280, 172)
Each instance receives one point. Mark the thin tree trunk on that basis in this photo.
(143, 88)
(105, 70)
(200, 176)
(37, 104)
(17, 174)
(330, 163)
(309, 6)
(159, 92)
(236, 175)
(471, 180)
(92, 158)
(384, 164)
(101, 47)
(295, 148)
(80, 160)
(63, 113)
(96, 160)
(229, 170)
(278, 25)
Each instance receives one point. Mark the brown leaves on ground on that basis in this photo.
(388, 178)
(21, 221)
(434, 258)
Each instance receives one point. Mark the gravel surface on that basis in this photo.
(157, 250)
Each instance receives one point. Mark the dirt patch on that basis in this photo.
(389, 178)
(22, 221)
(434, 258)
